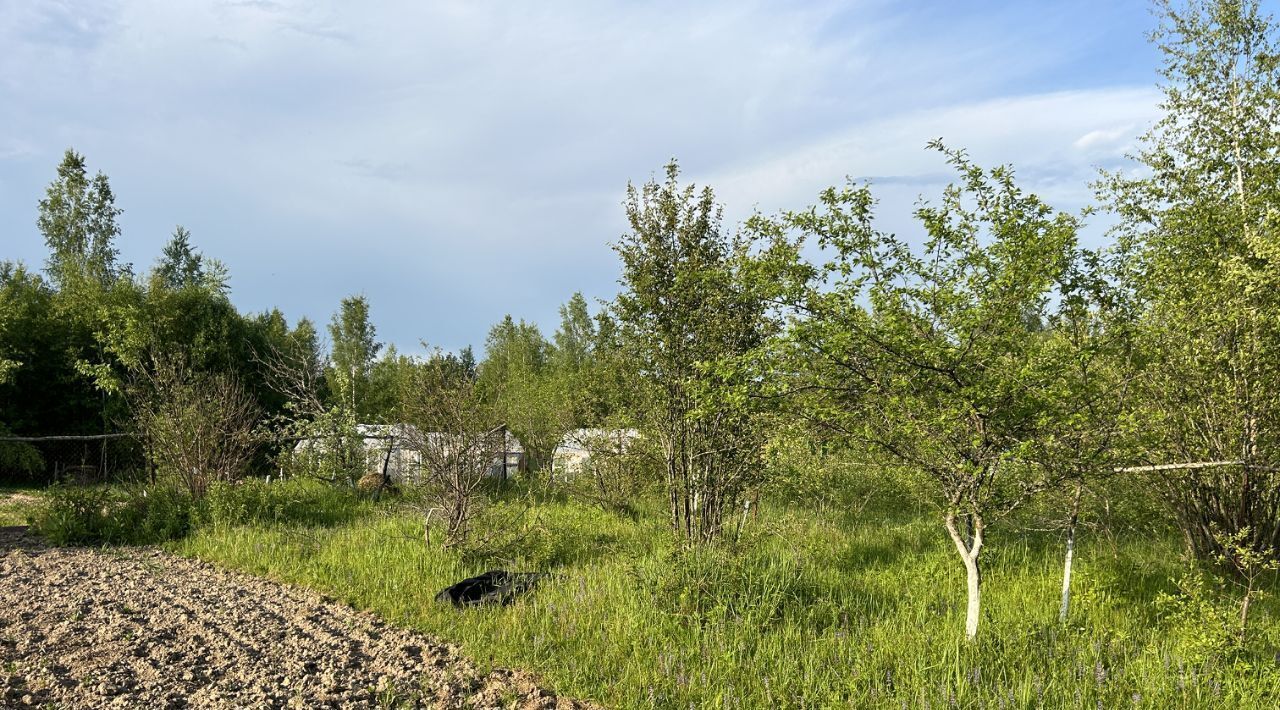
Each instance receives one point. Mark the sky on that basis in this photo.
(458, 161)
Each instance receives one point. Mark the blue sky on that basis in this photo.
(456, 161)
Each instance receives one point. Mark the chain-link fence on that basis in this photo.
(71, 459)
(121, 457)
(102, 458)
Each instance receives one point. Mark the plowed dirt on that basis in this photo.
(137, 627)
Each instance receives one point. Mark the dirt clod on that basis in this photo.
(137, 627)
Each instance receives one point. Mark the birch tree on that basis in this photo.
(521, 380)
(354, 349)
(78, 220)
(1202, 237)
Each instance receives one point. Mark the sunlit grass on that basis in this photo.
(813, 610)
(16, 502)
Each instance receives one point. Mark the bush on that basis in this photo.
(1201, 623)
(197, 427)
(155, 515)
(83, 515)
(72, 515)
(76, 515)
(20, 459)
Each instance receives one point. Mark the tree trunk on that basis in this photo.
(385, 480)
(969, 551)
(1071, 549)
(1244, 611)
(746, 507)
(974, 607)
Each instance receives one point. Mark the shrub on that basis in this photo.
(1200, 621)
(20, 458)
(154, 515)
(197, 427)
(72, 515)
(75, 515)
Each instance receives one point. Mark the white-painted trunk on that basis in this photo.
(1066, 577)
(969, 551)
(1072, 521)
(975, 597)
(746, 507)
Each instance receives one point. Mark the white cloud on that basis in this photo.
(1035, 134)
(414, 150)
(1103, 137)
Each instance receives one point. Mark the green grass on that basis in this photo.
(811, 609)
(15, 503)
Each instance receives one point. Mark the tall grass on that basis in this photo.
(809, 609)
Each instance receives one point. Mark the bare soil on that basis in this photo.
(137, 627)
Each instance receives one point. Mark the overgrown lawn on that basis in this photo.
(810, 608)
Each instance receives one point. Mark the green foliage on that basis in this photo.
(389, 376)
(575, 338)
(182, 267)
(544, 389)
(809, 610)
(78, 221)
(296, 502)
(67, 342)
(37, 329)
(973, 368)
(187, 302)
(619, 475)
(153, 515)
(354, 348)
(197, 427)
(1241, 557)
(7, 315)
(1199, 234)
(331, 447)
(943, 368)
(287, 373)
(522, 379)
(828, 475)
(935, 357)
(1202, 624)
(134, 515)
(73, 515)
(692, 321)
(19, 459)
